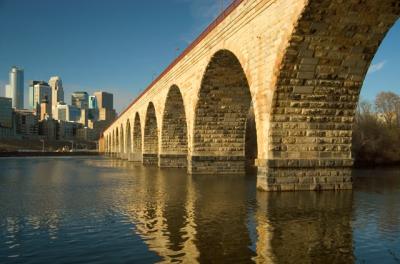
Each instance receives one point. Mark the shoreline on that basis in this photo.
(47, 154)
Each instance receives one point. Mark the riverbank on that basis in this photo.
(48, 154)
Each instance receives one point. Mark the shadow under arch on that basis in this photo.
(150, 142)
(137, 139)
(221, 113)
(174, 137)
(128, 142)
(122, 143)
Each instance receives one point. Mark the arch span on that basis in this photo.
(150, 142)
(137, 139)
(220, 117)
(128, 140)
(122, 143)
(317, 90)
(174, 143)
(117, 142)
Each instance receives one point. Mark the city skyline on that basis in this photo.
(131, 57)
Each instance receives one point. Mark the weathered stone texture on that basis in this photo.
(299, 64)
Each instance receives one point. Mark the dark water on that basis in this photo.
(94, 210)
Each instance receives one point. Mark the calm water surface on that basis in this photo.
(95, 210)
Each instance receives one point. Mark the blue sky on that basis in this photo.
(121, 45)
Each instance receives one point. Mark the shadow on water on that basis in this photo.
(102, 210)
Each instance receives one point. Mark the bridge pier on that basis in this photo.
(216, 164)
(304, 175)
(172, 160)
(150, 159)
(136, 157)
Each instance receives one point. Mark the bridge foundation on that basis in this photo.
(136, 157)
(216, 165)
(172, 160)
(150, 159)
(304, 175)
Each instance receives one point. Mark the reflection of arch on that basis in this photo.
(317, 90)
(128, 143)
(220, 119)
(174, 145)
(150, 144)
(137, 139)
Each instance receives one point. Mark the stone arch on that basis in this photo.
(128, 139)
(109, 143)
(150, 142)
(137, 139)
(319, 78)
(122, 142)
(114, 142)
(117, 141)
(221, 112)
(174, 138)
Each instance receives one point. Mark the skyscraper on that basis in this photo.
(104, 100)
(38, 90)
(80, 99)
(57, 91)
(15, 89)
(92, 102)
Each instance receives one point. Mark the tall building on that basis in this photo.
(68, 113)
(57, 91)
(45, 109)
(5, 112)
(80, 99)
(92, 102)
(104, 100)
(15, 89)
(106, 114)
(38, 91)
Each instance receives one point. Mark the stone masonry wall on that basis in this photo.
(303, 61)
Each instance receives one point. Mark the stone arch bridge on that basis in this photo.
(274, 83)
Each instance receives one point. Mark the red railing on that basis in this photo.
(210, 27)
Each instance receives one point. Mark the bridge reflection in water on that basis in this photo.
(223, 219)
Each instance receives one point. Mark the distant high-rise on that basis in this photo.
(92, 102)
(68, 113)
(45, 109)
(80, 99)
(15, 89)
(39, 90)
(104, 100)
(57, 90)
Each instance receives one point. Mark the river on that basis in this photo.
(99, 210)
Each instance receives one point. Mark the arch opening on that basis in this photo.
(137, 139)
(220, 118)
(122, 143)
(174, 145)
(128, 139)
(251, 148)
(150, 144)
(117, 142)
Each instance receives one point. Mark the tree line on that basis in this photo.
(376, 133)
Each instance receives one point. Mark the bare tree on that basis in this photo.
(388, 105)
